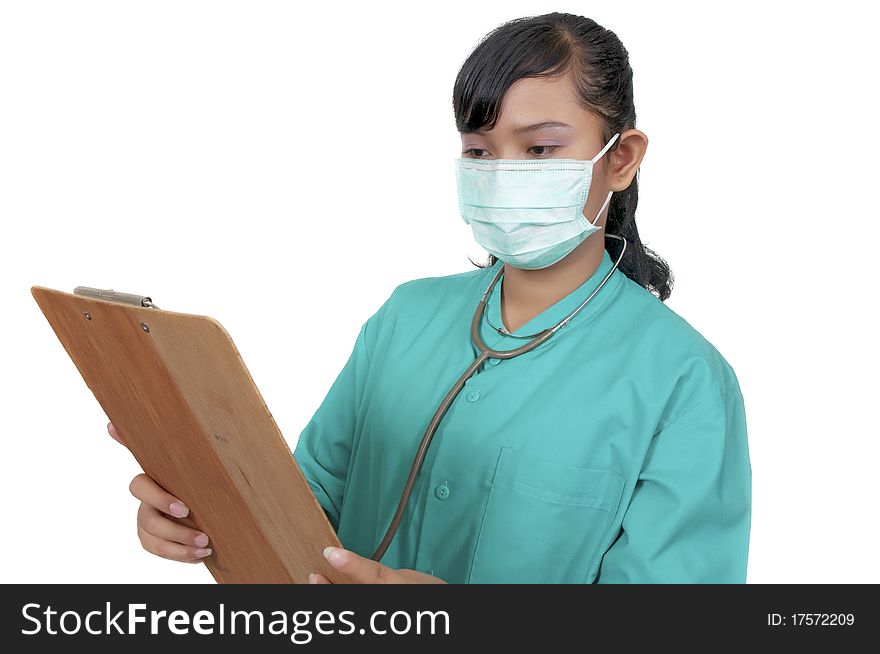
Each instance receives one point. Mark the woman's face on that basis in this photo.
(540, 118)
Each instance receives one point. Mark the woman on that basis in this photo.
(614, 451)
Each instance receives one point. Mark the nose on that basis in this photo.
(510, 152)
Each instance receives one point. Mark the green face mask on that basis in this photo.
(528, 212)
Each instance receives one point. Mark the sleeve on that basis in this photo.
(689, 517)
(323, 450)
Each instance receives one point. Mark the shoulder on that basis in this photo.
(428, 287)
(688, 367)
(430, 293)
(424, 299)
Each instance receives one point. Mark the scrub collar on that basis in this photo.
(553, 313)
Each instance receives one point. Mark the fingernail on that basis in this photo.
(203, 551)
(201, 540)
(334, 555)
(313, 579)
(178, 509)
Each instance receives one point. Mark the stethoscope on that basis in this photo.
(485, 353)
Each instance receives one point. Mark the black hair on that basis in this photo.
(556, 44)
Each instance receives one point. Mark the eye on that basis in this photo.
(545, 149)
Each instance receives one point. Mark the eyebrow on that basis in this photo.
(527, 128)
(542, 125)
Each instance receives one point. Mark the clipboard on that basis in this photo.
(176, 388)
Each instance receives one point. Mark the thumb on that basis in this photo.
(115, 434)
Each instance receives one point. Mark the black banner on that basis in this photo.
(324, 617)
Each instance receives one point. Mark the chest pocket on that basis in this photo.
(544, 521)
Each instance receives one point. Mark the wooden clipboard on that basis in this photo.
(177, 390)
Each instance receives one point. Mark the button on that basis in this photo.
(473, 396)
(442, 491)
(493, 362)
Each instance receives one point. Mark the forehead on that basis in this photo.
(531, 91)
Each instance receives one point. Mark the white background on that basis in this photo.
(282, 166)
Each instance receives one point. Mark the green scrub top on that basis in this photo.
(615, 452)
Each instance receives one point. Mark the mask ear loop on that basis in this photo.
(608, 197)
(604, 204)
(605, 149)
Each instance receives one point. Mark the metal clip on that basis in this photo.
(114, 296)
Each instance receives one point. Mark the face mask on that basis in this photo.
(528, 212)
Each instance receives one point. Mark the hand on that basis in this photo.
(367, 571)
(161, 535)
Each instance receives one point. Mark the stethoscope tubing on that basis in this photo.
(485, 352)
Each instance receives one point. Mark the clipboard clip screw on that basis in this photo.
(87, 315)
(145, 327)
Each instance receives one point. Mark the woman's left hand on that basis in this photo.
(367, 571)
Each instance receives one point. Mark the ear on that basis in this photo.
(625, 159)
